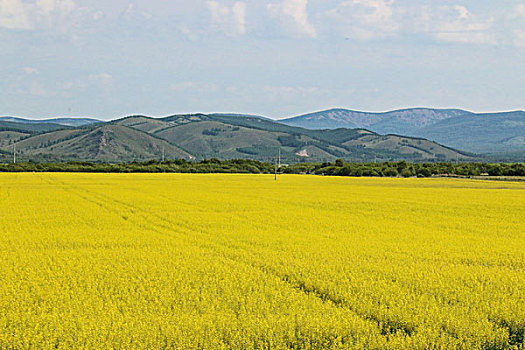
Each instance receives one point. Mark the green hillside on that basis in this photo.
(7, 138)
(108, 143)
(405, 145)
(200, 136)
(234, 136)
(143, 123)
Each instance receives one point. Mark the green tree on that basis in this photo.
(424, 172)
(407, 172)
(495, 170)
(390, 172)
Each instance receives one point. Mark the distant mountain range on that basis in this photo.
(418, 134)
(199, 136)
(472, 132)
(59, 121)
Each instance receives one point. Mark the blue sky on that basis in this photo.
(277, 58)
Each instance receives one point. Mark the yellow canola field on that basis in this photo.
(155, 261)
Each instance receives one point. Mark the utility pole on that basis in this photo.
(14, 153)
(277, 164)
(163, 154)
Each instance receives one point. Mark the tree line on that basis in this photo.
(406, 169)
(244, 166)
(238, 166)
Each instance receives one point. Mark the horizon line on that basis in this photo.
(263, 116)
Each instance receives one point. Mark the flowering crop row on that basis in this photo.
(172, 261)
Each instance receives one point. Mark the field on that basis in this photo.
(241, 261)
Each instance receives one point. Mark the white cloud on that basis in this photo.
(520, 10)
(239, 14)
(14, 14)
(231, 20)
(463, 13)
(518, 34)
(365, 19)
(133, 13)
(46, 5)
(19, 14)
(296, 10)
(381, 10)
(371, 19)
(218, 12)
(456, 24)
(64, 6)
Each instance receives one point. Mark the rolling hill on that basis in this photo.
(7, 138)
(107, 143)
(394, 122)
(29, 128)
(234, 136)
(478, 133)
(224, 137)
(481, 133)
(200, 136)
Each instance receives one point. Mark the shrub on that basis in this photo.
(390, 172)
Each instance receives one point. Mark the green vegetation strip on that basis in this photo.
(243, 166)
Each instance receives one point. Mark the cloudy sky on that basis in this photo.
(277, 58)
